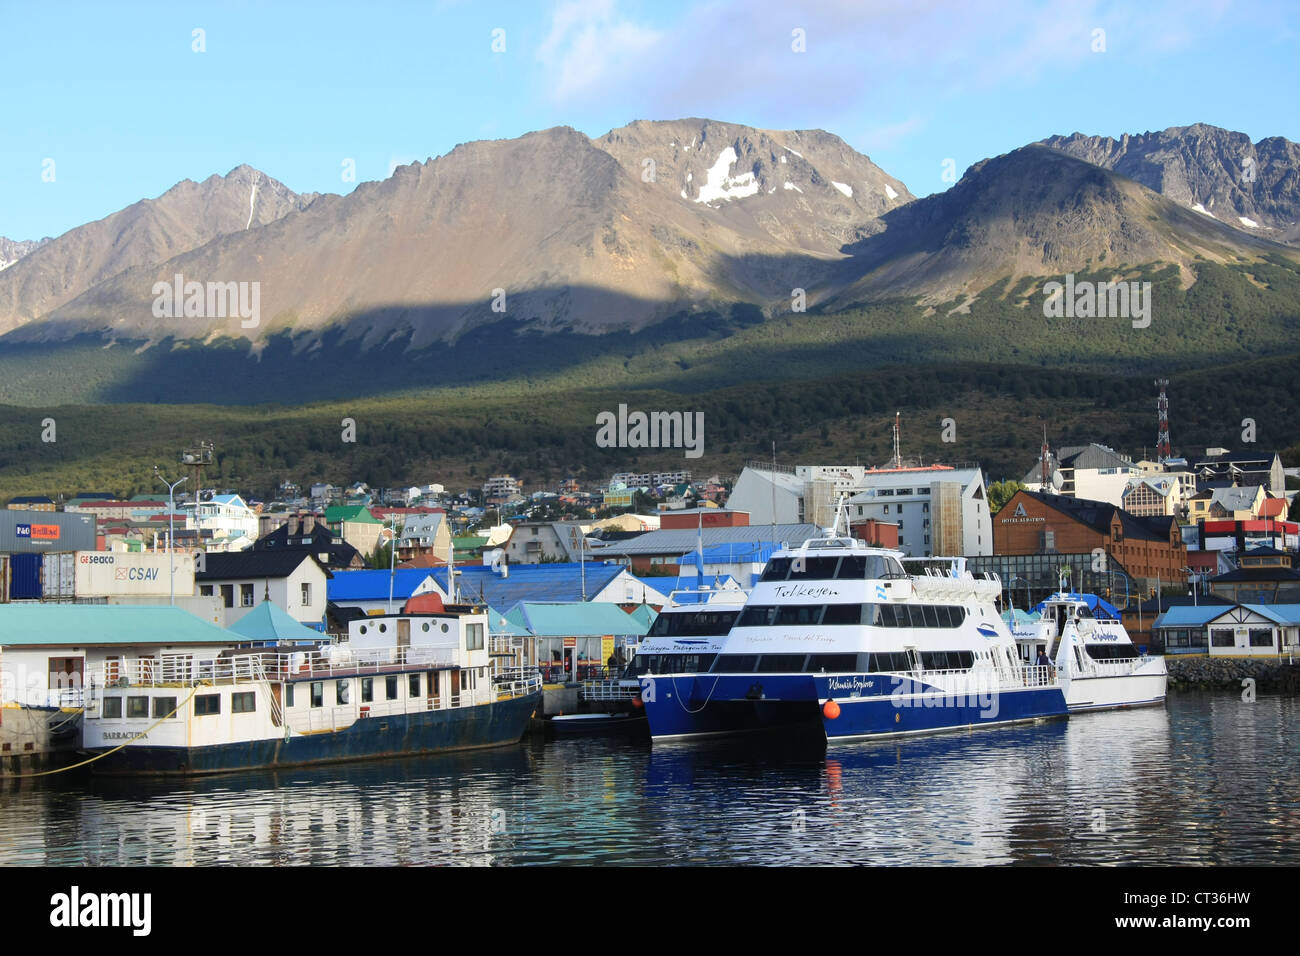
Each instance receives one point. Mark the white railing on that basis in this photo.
(517, 682)
(270, 664)
(610, 690)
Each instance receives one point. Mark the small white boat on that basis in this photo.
(1096, 662)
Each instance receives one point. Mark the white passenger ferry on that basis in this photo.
(1096, 662)
(836, 637)
(685, 638)
(402, 684)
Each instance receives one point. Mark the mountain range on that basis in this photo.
(655, 231)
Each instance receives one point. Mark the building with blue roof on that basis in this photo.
(369, 590)
(1237, 630)
(742, 560)
(504, 588)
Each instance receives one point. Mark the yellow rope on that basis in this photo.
(46, 773)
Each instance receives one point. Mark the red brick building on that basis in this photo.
(1036, 523)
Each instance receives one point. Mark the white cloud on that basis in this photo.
(589, 40)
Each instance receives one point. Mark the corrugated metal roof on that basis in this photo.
(88, 625)
(500, 627)
(682, 541)
(267, 622)
(530, 582)
(574, 619)
(373, 585)
(644, 614)
(1188, 615)
(733, 552)
(233, 565)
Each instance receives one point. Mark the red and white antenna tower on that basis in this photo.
(1162, 409)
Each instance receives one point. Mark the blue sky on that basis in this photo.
(116, 96)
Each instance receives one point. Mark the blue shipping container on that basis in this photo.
(25, 576)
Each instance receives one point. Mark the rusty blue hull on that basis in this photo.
(427, 732)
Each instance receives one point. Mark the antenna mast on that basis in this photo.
(1043, 457)
(1162, 415)
(898, 456)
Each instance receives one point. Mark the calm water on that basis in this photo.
(1208, 779)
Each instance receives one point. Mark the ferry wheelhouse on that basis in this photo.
(838, 639)
(1097, 664)
(402, 684)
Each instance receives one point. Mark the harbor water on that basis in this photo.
(1206, 779)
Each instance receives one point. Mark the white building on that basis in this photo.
(295, 581)
(940, 510)
(233, 524)
(1090, 472)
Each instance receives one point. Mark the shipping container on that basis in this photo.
(59, 577)
(41, 532)
(25, 577)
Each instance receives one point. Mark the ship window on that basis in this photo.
(756, 616)
(931, 616)
(888, 661)
(815, 569)
(776, 569)
(390, 688)
(341, 692)
(137, 706)
(413, 685)
(832, 662)
(367, 690)
(473, 637)
(853, 566)
(1111, 652)
(842, 614)
(795, 614)
(245, 703)
(318, 693)
(780, 663)
(735, 663)
(163, 706)
(207, 704)
(111, 707)
(958, 614)
(288, 695)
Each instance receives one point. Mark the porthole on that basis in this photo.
(383, 628)
(425, 625)
(362, 629)
(444, 629)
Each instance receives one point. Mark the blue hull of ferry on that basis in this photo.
(706, 704)
(402, 735)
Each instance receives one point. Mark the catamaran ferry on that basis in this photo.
(1096, 662)
(838, 639)
(402, 684)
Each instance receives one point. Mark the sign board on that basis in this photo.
(139, 574)
(570, 642)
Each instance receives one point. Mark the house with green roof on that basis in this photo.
(355, 525)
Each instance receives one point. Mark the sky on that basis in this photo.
(110, 103)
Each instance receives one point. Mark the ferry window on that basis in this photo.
(390, 688)
(833, 662)
(780, 663)
(756, 616)
(425, 626)
(776, 569)
(880, 567)
(473, 637)
(342, 690)
(137, 706)
(735, 663)
(207, 704)
(367, 690)
(886, 615)
(163, 706)
(963, 660)
(111, 707)
(853, 566)
(932, 616)
(795, 614)
(1111, 652)
(644, 664)
(362, 629)
(318, 693)
(957, 614)
(706, 662)
(815, 569)
(934, 660)
(413, 688)
(843, 614)
(243, 703)
(288, 695)
(871, 615)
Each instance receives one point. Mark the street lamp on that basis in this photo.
(1191, 577)
(171, 529)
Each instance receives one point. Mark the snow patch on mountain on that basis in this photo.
(722, 185)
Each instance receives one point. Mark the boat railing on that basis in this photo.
(517, 682)
(269, 664)
(610, 690)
